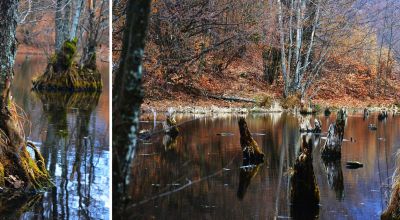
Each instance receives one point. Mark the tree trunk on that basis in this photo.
(67, 20)
(76, 18)
(17, 169)
(127, 98)
(59, 25)
(89, 53)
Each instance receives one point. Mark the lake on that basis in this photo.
(198, 175)
(72, 132)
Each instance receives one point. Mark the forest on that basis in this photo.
(256, 109)
(332, 53)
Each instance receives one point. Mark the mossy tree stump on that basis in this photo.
(63, 74)
(304, 191)
(252, 153)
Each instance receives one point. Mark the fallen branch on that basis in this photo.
(230, 98)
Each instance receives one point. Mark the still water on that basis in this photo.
(198, 175)
(71, 131)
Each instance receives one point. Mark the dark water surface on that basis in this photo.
(71, 131)
(198, 175)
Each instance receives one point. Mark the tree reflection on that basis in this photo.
(335, 177)
(247, 173)
(14, 205)
(69, 143)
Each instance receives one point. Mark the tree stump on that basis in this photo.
(333, 144)
(170, 127)
(63, 74)
(383, 114)
(252, 153)
(304, 191)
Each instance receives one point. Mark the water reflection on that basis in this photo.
(247, 173)
(158, 175)
(71, 130)
(334, 175)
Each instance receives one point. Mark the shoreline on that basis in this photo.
(276, 108)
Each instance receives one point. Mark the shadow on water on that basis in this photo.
(72, 133)
(220, 189)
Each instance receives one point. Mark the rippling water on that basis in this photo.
(198, 175)
(71, 131)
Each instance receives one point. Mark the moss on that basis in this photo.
(2, 184)
(62, 74)
(73, 79)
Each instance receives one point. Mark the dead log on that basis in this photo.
(230, 98)
(252, 153)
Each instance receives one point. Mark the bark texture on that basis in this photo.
(18, 169)
(127, 98)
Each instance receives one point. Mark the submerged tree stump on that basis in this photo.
(333, 144)
(304, 191)
(170, 127)
(63, 74)
(252, 153)
(383, 114)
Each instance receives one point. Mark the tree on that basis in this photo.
(17, 168)
(63, 72)
(127, 98)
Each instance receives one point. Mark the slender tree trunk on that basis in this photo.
(67, 20)
(282, 43)
(89, 53)
(75, 19)
(127, 97)
(59, 25)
